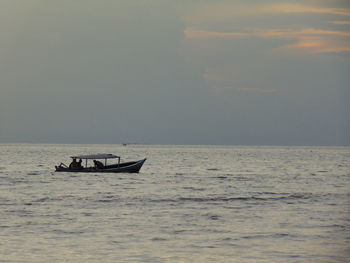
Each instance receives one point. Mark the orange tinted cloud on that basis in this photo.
(191, 33)
(227, 10)
(340, 22)
(287, 8)
(306, 39)
(310, 39)
(319, 44)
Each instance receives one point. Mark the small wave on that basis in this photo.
(48, 199)
(176, 232)
(232, 199)
(337, 226)
(194, 188)
(230, 239)
(213, 217)
(272, 193)
(109, 196)
(202, 246)
(300, 196)
(87, 214)
(106, 200)
(216, 199)
(33, 173)
(259, 236)
(63, 232)
(158, 239)
(44, 199)
(164, 200)
(244, 179)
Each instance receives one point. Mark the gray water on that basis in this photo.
(187, 204)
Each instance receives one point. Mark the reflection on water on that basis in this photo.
(188, 204)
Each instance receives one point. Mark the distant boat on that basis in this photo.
(99, 167)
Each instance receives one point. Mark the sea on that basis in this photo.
(187, 204)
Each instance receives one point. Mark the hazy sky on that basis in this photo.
(247, 72)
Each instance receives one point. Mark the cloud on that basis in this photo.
(340, 22)
(309, 39)
(215, 77)
(287, 8)
(218, 11)
(223, 80)
(226, 89)
(319, 44)
(222, 76)
(191, 33)
(259, 90)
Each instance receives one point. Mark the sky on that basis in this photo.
(223, 72)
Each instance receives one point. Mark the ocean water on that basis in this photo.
(187, 204)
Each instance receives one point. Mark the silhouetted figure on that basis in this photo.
(74, 164)
(98, 164)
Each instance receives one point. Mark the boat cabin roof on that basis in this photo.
(96, 156)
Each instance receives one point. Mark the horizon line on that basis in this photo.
(176, 144)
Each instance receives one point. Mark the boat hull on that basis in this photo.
(130, 167)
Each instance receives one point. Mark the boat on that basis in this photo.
(99, 167)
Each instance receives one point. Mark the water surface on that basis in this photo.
(188, 204)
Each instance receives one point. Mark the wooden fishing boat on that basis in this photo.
(99, 167)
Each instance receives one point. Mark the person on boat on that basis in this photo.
(74, 164)
(98, 164)
(79, 164)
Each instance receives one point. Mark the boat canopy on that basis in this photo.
(96, 156)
